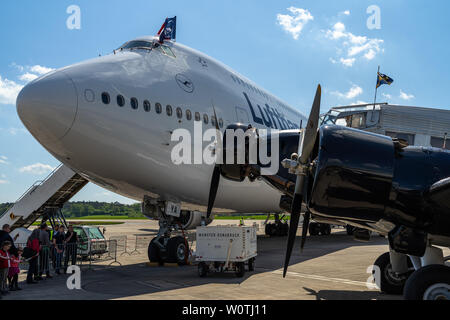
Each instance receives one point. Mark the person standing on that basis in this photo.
(58, 242)
(71, 240)
(5, 236)
(5, 263)
(14, 270)
(44, 240)
(32, 255)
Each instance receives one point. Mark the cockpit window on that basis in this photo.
(137, 44)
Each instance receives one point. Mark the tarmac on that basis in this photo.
(330, 268)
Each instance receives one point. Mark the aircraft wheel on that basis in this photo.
(251, 264)
(240, 269)
(350, 230)
(202, 269)
(177, 250)
(390, 282)
(325, 229)
(314, 229)
(429, 283)
(270, 229)
(284, 229)
(154, 254)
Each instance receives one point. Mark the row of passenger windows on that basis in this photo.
(106, 99)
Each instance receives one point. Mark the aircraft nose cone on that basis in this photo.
(48, 105)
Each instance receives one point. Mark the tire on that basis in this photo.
(240, 269)
(202, 270)
(388, 282)
(314, 229)
(251, 264)
(325, 229)
(284, 229)
(177, 250)
(270, 229)
(420, 284)
(154, 254)
(350, 230)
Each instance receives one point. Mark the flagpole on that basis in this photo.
(375, 99)
(376, 90)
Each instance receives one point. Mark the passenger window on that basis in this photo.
(197, 116)
(221, 123)
(105, 98)
(205, 118)
(120, 100)
(134, 103)
(147, 106)
(158, 107)
(213, 121)
(179, 113)
(169, 110)
(188, 115)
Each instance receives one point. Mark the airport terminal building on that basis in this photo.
(416, 125)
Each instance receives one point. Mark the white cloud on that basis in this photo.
(9, 91)
(387, 96)
(27, 77)
(3, 160)
(346, 12)
(406, 96)
(352, 93)
(3, 181)
(37, 169)
(348, 62)
(294, 23)
(355, 46)
(40, 69)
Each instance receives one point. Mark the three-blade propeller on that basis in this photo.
(305, 148)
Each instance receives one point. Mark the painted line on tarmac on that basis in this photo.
(321, 278)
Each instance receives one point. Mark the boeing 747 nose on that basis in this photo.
(48, 106)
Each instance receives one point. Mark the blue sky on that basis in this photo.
(287, 47)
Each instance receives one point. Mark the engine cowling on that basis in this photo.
(192, 219)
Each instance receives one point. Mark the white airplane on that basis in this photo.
(110, 119)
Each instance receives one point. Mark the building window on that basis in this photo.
(188, 115)
(169, 110)
(440, 143)
(409, 138)
(197, 116)
(205, 118)
(179, 113)
(134, 103)
(158, 107)
(105, 98)
(120, 100)
(147, 106)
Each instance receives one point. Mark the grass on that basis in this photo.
(87, 223)
(246, 217)
(106, 217)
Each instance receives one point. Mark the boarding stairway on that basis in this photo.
(44, 199)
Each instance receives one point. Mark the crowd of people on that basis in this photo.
(45, 248)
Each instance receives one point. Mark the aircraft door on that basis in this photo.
(242, 116)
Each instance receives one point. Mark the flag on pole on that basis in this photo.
(383, 79)
(168, 30)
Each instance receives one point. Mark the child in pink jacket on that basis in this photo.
(14, 270)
